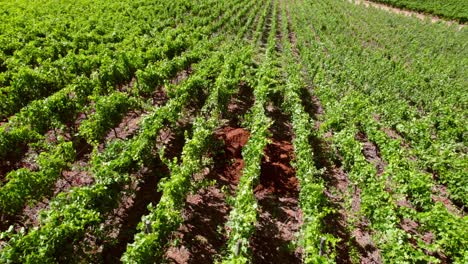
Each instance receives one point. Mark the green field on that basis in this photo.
(450, 9)
(215, 131)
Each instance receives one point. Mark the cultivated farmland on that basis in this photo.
(245, 131)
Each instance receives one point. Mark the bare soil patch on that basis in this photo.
(337, 192)
(277, 175)
(361, 234)
(23, 157)
(440, 194)
(239, 104)
(201, 237)
(371, 152)
(122, 222)
(277, 193)
(234, 140)
(182, 75)
(279, 217)
(412, 227)
(77, 175)
(126, 128)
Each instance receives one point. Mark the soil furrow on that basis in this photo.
(279, 215)
(201, 237)
(138, 194)
(371, 152)
(120, 225)
(267, 26)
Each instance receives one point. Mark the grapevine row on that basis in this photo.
(121, 157)
(243, 216)
(351, 112)
(108, 112)
(318, 247)
(166, 216)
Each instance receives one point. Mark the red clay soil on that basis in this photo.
(277, 175)
(25, 158)
(239, 105)
(279, 215)
(78, 175)
(234, 140)
(362, 236)
(182, 75)
(411, 227)
(120, 226)
(129, 125)
(126, 128)
(440, 194)
(201, 237)
(371, 153)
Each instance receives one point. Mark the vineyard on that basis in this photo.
(244, 131)
(451, 9)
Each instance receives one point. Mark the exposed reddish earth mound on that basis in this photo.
(279, 215)
(277, 175)
(234, 140)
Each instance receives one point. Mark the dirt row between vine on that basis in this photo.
(201, 237)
